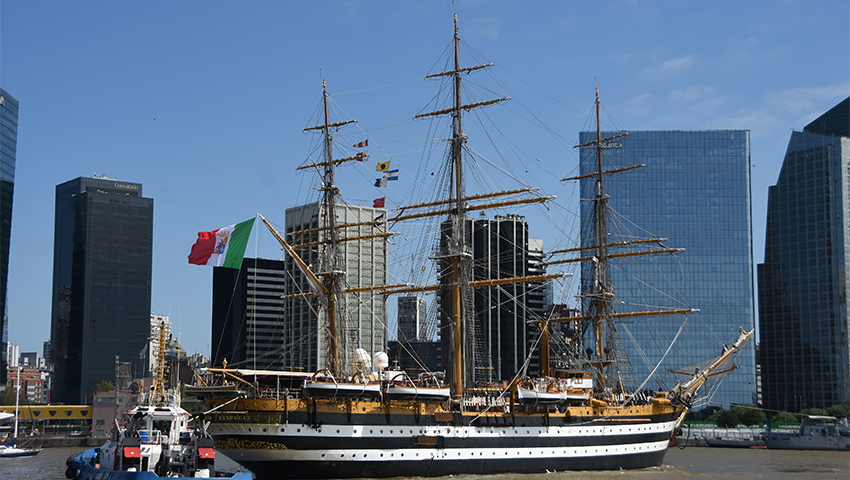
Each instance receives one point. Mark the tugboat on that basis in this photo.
(159, 439)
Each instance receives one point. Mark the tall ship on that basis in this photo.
(356, 416)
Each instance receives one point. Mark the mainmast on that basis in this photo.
(459, 239)
(457, 253)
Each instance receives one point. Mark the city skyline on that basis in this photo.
(211, 123)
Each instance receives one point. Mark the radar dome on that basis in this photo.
(381, 360)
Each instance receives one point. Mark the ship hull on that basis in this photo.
(280, 468)
(329, 443)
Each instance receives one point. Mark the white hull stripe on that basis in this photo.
(449, 432)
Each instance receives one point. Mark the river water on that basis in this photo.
(688, 463)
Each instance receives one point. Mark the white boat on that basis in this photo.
(427, 388)
(325, 384)
(9, 450)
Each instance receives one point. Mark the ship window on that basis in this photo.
(163, 426)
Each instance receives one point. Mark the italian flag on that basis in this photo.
(224, 247)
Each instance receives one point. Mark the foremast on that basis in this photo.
(332, 283)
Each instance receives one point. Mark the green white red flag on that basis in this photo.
(224, 247)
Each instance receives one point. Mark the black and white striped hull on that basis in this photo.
(345, 450)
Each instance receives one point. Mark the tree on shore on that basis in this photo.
(839, 411)
(727, 419)
(749, 414)
(785, 417)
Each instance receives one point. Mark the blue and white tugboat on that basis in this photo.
(158, 439)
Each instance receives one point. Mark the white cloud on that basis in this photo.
(806, 99)
(488, 28)
(691, 94)
(671, 66)
(639, 100)
(761, 124)
(676, 64)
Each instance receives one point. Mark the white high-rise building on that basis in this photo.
(360, 262)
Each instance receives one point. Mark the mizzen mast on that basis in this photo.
(600, 291)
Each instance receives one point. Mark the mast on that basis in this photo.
(17, 398)
(600, 283)
(459, 239)
(158, 394)
(329, 190)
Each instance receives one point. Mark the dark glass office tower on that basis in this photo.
(102, 250)
(695, 192)
(803, 282)
(504, 327)
(8, 147)
(248, 328)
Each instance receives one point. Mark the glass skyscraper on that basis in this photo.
(103, 243)
(803, 282)
(248, 327)
(8, 147)
(694, 193)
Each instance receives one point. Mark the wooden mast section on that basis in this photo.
(600, 278)
(330, 191)
(158, 394)
(601, 292)
(459, 240)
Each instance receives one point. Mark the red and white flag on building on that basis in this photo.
(364, 143)
(378, 202)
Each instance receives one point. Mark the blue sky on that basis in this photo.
(204, 102)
